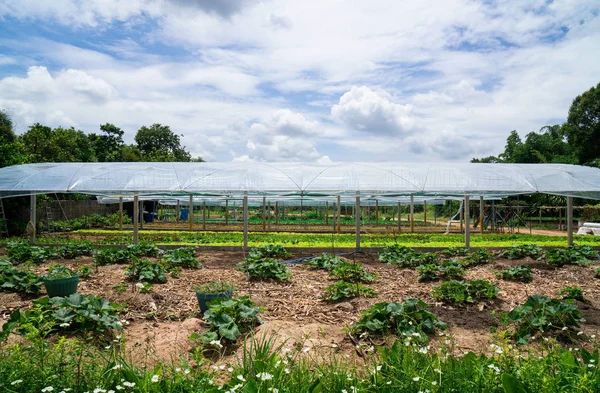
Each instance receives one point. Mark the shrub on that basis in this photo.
(18, 280)
(517, 273)
(147, 271)
(343, 290)
(111, 256)
(324, 261)
(181, 257)
(352, 272)
(527, 250)
(58, 271)
(229, 318)
(542, 315)
(409, 319)
(258, 267)
(456, 292)
(479, 257)
(454, 252)
(214, 288)
(575, 293)
(574, 255)
(271, 251)
(76, 249)
(76, 313)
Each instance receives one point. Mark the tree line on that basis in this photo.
(41, 143)
(577, 141)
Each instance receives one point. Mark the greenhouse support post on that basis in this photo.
(264, 214)
(326, 213)
(136, 215)
(376, 212)
(269, 216)
(412, 212)
(425, 212)
(357, 222)
(245, 218)
(399, 216)
(570, 220)
(461, 216)
(339, 213)
(334, 218)
(177, 212)
(191, 213)
(276, 212)
(32, 217)
(481, 213)
(141, 214)
(204, 215)
(120, 213)
(467, 223)
(226, 211)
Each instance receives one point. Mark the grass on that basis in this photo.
(290, 239)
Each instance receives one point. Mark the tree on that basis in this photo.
(10, 149)
(583, 126)
(43, 144)
(109, 145)
(159, 143)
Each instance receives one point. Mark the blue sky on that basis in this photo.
(311, 80)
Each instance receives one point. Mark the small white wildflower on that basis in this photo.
(416, 379)
(216, 343)
(580, 333)
(593, 336)
(344, 391)
(410, 323)
(186, 371)
(47, 389)
(129, 384)
(305, 349)
(287, 371)
(107, 347)
(111, 391)
(592, 360)
(117, 366)
(230, 369)
(178, 369)
(16, 382)
(275, 390)
(591, 365)
(423, 350)
(139, 285)
(388, 383)
(447, 342)
(241, 378)
(499, 351)
(437, 370)
(378, 368)
(222, 367)
(264, 376)
(119, 387)
(66, 324)
(154, 378)
(99, 390)
(564, 328)
(434, 383)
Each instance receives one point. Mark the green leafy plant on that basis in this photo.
(58, 271)
(456, 292)
(214, 288)
(120, 287)
(522, 251)
(324, 261)
(409, 319)
(428, 272)
(85, 271)
(597, 273)
(450, 270)
(260, 268)
(406, 257)
(454, 252)
(575, 293)
(574, 255)
(145, 249)
(517, 273)
(543, 315)
(21, 252)
(76, 249)
(17, 280)
(229, 318)
(271, 251)
(112, 256)
(479, 257)
(352, 272)
(76, 313)
(343, 290)
(181, 257)
(147, 271)
(144, 287)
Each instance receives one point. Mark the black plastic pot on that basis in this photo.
(62, 287)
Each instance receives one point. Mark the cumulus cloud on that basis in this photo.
(373, 111)
(224, 8)
(447, 144)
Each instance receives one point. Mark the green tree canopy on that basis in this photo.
(10, 148)
(43, 144)
(108, 145)
(583, 126)
(159, 143)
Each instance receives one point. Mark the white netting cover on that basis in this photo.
(300, 179)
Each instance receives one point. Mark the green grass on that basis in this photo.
(289, 239)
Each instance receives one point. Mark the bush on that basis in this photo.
(352, 272)
(147, 271)
(181, 257)
(574, 255)
(343, 290)
(19, 280)
(456, 292)
(517, 273)
(479, 257)
(519, 252)
(76, 313)
(409, 319)
(112, 256)
(324, 261)
(543, 315)
(575, 293)
(229, 318)
(258, 267)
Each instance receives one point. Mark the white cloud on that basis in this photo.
(374, 112)
(448, 144)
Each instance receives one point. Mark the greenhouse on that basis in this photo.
(309, 184)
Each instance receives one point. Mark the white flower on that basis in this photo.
(119, 387)
(117, 366)
(592, 360)
(241, 378)
(230, 369)
(186, 371)
(564, 328)
(111, 391)
(388, 383)
(593, 336)
(129, 384)
(434, 383)
(99, 390)
(344, 391)
(154, 378)
(66, 324)
(264, 376)
(579, 333)
(287, 371)
(178, 369)
(437, 370)
(216, 343)
(591, 365)
(499, 351)
(423, 350)
(47, 389)
(494, 367)
(139, 285)
(379, 368)
(416, 379)
(16, 382)
(275, 390)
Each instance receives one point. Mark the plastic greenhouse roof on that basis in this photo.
(300, 179)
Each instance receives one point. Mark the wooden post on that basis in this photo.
(481, 212)
(570, 220)
(425, 212)
(120, 213)
(141, 215)
(178, 212)
(412, 213)
(226, 211)
(269, 217)
(204, 215)
(339, 214)
(540, 216)
(460, 217)
(376, 212)
(467, 223)
(32, 217)
(399, 216)
(264, 214)
(191, 213)
(277, 212)
(326, 213)
(136, 216)
(358, 223)
(559, 219)
(245, 215)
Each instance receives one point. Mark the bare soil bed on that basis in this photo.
(161, 321)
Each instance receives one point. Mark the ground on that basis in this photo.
(160, 322)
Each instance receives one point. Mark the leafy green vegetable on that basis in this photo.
(343, 290)
(259, 267)
(17, 280)
(352, 272)
(214, 288)
(271, 251)
(575, 293)
(324, 261)
(111, 256)
(58, 271)
(517, 273)
(76, 249)
(522, 251)
(229, 318)
(479, 257)
(574, 255)
(456, 292)
(181, 257)
(147, 271)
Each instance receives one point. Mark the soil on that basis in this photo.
(160, 322)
